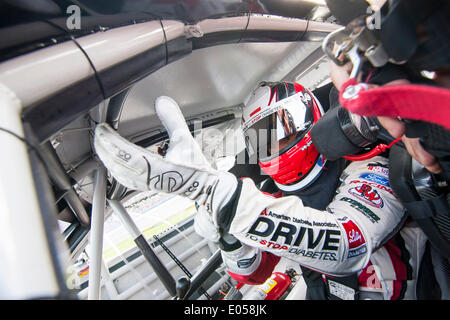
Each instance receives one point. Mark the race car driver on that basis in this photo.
(287, 164)
(338, 236)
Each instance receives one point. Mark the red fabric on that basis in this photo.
(255, 111)
(260, 275)
(399, 260)
(368, 278)
(286, 167)
(400, 267)
(414, 102)
(399, 263)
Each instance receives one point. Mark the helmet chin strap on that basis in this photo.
(307, 180)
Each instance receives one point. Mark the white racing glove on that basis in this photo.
(183, 170)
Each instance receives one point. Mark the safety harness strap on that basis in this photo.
(428, 208)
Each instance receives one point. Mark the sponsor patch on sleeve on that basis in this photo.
(377, 178)
(246, 263)
(367, 194)
(378, 167)
(362, 208)
(356, 242)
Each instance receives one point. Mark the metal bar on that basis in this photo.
(216, 286)
(115, 107)
(59, 177)
(120, 271)
(205, 271)
(83, 168)
(96, 236)
(179, 263)
(162, 272)
(109, 284)
(44, 192)
(125, 218)
(26, 266)
(174, 258)
(146, 279)
(146, 142)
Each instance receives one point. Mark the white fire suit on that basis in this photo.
(350, 236)
(338, 241)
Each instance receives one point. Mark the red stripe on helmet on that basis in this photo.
(255, 111)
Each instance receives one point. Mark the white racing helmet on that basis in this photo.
(277, 122)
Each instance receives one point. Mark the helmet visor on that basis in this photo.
(272, 129)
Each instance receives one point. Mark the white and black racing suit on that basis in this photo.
(351, 234)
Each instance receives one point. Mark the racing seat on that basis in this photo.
(426, 200)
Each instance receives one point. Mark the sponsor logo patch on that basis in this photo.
(245, 263)
(356, 242)
(321, 161)
(362, 208)
(368, 195)
(315, 242)
(377, 178)
(378, 167)
(376, 185)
